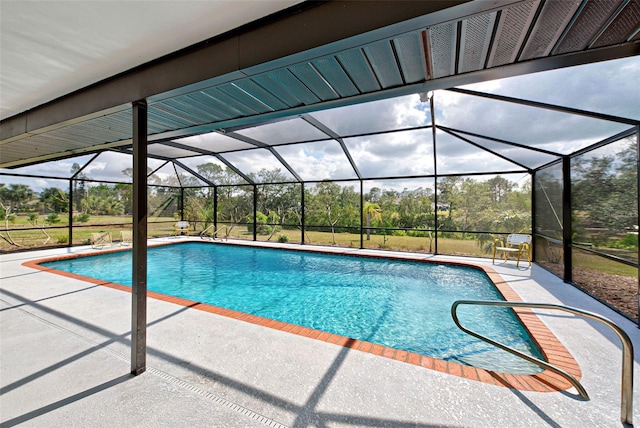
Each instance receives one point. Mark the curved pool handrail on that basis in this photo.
(626, 405)
(213, 235)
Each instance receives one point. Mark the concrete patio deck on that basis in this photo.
(64, 361)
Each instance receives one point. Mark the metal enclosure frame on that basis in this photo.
(259, 73)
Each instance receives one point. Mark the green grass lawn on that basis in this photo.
(601, 264)
(58, 235)
(451, 246)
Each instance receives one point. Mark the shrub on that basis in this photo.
(53, 218)
(266, 225)
(283, 238)
(629, 242)
(415, 232)
(62, 239)
(261, 223)
(82, 218)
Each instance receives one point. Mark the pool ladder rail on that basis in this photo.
(626, 405)
(214, 235)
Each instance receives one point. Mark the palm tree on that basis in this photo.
(371, 210)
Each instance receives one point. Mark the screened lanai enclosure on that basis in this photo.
(350, 147)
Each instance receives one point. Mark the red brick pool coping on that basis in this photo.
(546, 381)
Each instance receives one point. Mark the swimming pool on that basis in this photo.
(395, 303)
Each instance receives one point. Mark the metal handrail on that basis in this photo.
(626, 404)
(205, 231)
(214, 234)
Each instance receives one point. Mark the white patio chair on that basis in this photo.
(517, 243)
(181, 227)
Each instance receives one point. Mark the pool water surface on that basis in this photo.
(400, 304)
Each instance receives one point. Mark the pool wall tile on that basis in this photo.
(356, 344)
(485, 376)
(413, 359)
(377, 349)
(470, 373)
(440, 365)
(388, 352)
(427, 362)
(366, 347)
(455, 369)
(323, 336)
(401, 355)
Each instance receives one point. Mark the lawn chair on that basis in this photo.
(99, 240)
(515, 243)
(181, 227)
(126, 238)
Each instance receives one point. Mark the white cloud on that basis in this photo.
(318, 161)
(410, 111)
(555, 131)
(611, 87)
(109, 166)
(394, 154)
(394, 113)
(400, 184)
(252, 161)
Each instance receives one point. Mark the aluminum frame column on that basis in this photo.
(70, 243)
(638, 204)
(534, 206)
(139, 280)
(215, 211)
(432, 107)
(362, 215)
(302, 213)
(181, 203)
(566, 220)
(255, 212)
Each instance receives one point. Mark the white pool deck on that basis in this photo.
(65, 348)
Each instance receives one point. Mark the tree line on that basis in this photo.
(463, 204)
(604, 198)
(604, 195)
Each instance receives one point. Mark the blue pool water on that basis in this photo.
(401, 304)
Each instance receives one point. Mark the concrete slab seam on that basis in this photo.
(216, 399)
